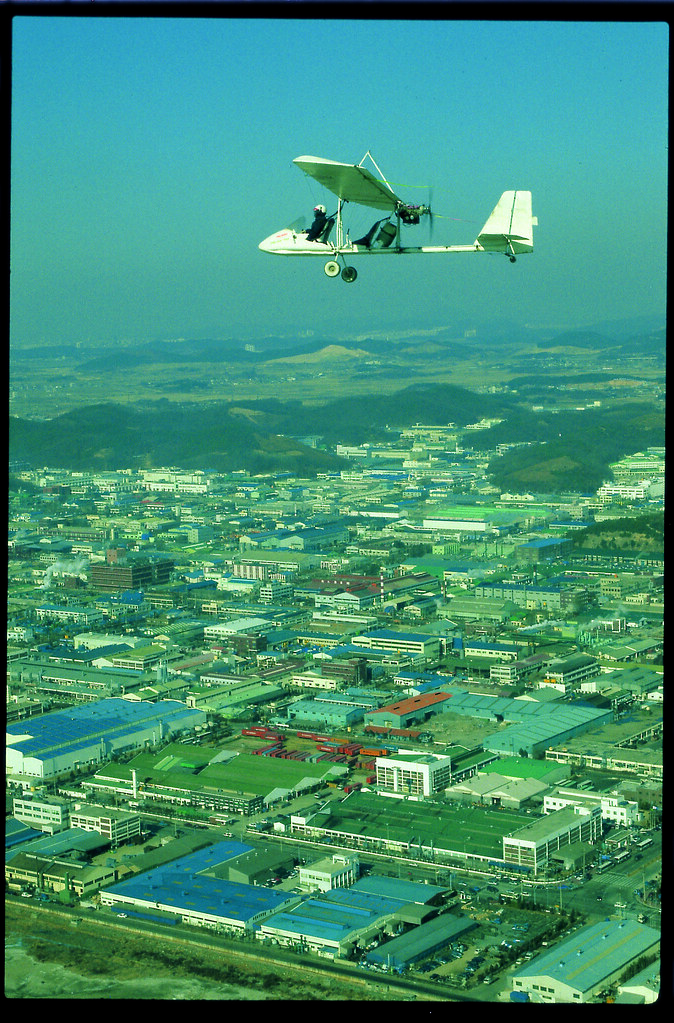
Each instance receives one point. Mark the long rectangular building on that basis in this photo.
(533, 845)
(191, 889)
(51, 744)
(586, 963)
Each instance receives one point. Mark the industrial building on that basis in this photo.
(413, 710)
(413, 773)
(587, 962)
(338, 922)
(130, 572)
(622, 812)
(217, 780)
(116, 825)
(58, 863)
(537, 842)
(64, 740)
(389, 823)
(408, 948)
(191, 889)
(413, 644)
(568, 673)
(337, 871)
(49, 814)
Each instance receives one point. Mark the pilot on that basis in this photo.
(320, 220)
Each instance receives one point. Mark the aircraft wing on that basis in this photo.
(349, 182)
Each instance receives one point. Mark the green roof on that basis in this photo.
(520, 767)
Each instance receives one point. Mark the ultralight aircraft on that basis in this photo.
(509, 229)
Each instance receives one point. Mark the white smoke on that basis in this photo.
(74, 566)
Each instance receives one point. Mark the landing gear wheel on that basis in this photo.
(331, 268)
(349, 274)
(512, 259)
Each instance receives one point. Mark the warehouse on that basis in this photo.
(406, 949)
(494, 789)
(341, 920)
(406, 712)
(187, 887)
(588, 962)
(63, 740)
(331, 714)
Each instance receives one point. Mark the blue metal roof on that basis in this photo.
(592, 954)
(183, 887)
(104, 720)
(397, 888)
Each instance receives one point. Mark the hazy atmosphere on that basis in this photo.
(150, 156)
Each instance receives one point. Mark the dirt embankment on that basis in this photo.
(48, 956)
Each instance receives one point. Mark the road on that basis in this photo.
(596, 897)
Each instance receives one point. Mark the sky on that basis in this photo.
(150, 156)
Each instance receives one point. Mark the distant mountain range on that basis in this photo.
(633, 336)
(265, 435)
(260, 436)
(562, 450)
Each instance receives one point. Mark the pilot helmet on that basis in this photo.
(319, 209)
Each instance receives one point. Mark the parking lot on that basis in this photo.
(506, 937)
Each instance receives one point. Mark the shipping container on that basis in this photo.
(265, 751)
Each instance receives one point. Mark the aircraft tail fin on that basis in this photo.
(509, 229)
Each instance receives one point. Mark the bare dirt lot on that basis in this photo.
(48, 956)
(28, 977)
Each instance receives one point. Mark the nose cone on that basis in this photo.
(280, 242)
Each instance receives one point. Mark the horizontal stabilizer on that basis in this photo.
(510, 226)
